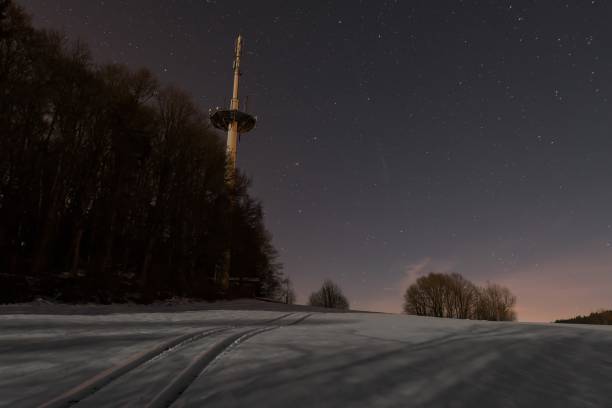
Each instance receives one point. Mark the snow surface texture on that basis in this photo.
(281, 356)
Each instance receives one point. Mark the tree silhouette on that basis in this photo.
(287, 293)
(330, 296)
(112, 187)
(453, 296)
(495, 302)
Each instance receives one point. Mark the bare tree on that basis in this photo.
(453, 296)
(428, 296)
(496, 303)
(330, 295)
(287, 293)
(460, 297)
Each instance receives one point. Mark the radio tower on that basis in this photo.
(235, 122)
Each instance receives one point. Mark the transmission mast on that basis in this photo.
(235, 122)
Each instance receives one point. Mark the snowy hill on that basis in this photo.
(278, 356)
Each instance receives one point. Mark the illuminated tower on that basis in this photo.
(233, 120)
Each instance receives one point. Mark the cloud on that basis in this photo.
(420, 268)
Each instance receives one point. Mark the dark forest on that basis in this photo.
(113, 186)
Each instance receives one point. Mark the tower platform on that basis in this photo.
(222, 119)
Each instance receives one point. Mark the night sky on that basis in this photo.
(397, 138)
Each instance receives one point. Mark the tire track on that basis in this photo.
(99, 381)
(200, 363)
(300, 320)
(174, 390)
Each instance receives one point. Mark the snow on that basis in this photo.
(235, 355)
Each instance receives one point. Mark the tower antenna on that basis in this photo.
(235, 122)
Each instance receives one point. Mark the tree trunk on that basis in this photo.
(76, 251)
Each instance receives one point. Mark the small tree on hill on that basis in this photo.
(330, 295)
(287, 294)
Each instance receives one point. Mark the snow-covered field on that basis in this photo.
(276, 356)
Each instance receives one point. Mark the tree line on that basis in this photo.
(112, 185)
(438, 295)
(602, 317)
(453, 296)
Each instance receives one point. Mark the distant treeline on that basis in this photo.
(112, 187)
(453, 296)
(603, 317)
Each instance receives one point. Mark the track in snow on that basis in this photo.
(89, 392)
(95, 383)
